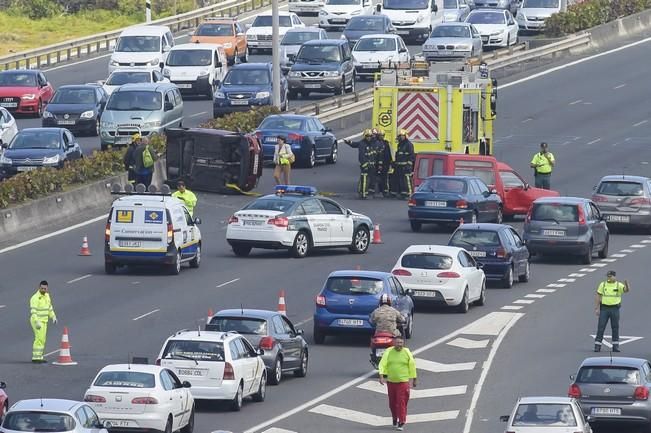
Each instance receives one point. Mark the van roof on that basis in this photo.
(160, 200)
(145, 31)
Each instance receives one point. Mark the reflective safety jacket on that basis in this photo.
(383, 155)
(611, 293)
(188, 198)
(41, 308)
(405, 156)
(366, 150)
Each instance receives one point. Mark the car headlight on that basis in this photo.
(499, 32)
(4, 160)
(220, 95)
(29, 97)
(154, 62)
(323, 13)
(294, 74)
(251, 37)
(87, 114)
(152, 124)
(47, 114)
(521, 15)
(330, 74)
(114, 63)
(203, 73)
(420, 18)
(167, 73)
(51, 160)
(228, 45)
(262, 95)
(107, 124)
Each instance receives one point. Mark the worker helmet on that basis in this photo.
(136, 136)
(367, 133)
(385, 300)
(380, 132)
(402, 132)
(374, 131)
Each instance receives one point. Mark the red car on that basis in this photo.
(24, 91)
(4, 401)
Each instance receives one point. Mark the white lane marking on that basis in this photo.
(2, 306)
(594, 141)
(619, 87)
(528, 119)
(598, 265)
(556, 285)
(645, 241)
(587, 269)
(637, 246)
(546, 290)
(640, 123)
(303, 322)
(439, 367)
(147, 314)
(466, 343)
(578, 101)
(576, 275)
(511, 307)
(375, 386)
(227, 283)
(198, 114)
(626, 251)
(524, 301)
(484, 372)
(567, 280)
(623, 339)
(618, 255)
(533, 295)
(379, 421)
(271, 430)
(83, 277)
(608, 260)
(490, 324)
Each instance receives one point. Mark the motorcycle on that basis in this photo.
(380, 342)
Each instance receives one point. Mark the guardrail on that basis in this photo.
(553, 49)
(85, 46)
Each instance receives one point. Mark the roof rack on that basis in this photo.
(140, 189)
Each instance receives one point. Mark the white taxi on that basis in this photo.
(296, 219)
(220, 365)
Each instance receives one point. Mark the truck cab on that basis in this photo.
(413, 19)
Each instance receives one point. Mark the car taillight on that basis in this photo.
(574, 391)
(157, 361)
(90, 398)
(233, 220)
(600, 198)
(382, 340)
(411, 202)
(641, 393)
(107, 232)
(267, 343)
(401, 272)
(501, 253)
(321, 300)
(281, 222)
(144, 400)
(170, 233)
(229, 373)
(462, 204)
(295, 138)
(581, 216)
(640, 200)
(448, 275)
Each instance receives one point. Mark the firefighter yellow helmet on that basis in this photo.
(367, 133)
(136, 136)
(402, 132)
(380, 132)
(374, 131)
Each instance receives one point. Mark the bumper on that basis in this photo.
(494, 270)
(638, 412)
(413, 32)
(366, 70)
(79, 125)
(333, 22)
(12, 170)
(136, 66)
(495, 41)
(446, 55)
(24, 106)
(226, 391)
(435, 294)
(546, 246)
(200, 86)
(531, 25)
(271, 239)
(330, 323)
(139, 258)
(626, 219)
(109, 137)
(434, 215)
(259, 45)
(122, 422)
(328, 84)
(224, 106)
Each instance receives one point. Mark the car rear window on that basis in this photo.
(426, 261)
(33, 421)
(555, 212)
(242, 325)
(197, 350)
(354, 285)
(126, 379)
(481, 169)
(620, 188)
(544, 414)
(609, 375)
(455, 186)
(274, 204)
(483, 238)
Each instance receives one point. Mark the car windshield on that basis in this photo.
(74, 96)
(450, 4)
(138, 44)
(35, 421)
(297, 38)
(354, 285)
(42, 139)
(621, 188)
(555, 212)
(540, 4)
(405, 4)
(243, 325)
(197, 350)
(454, 186)
(120, 78)
(376, 44)
(480, 238)
(426, 261)
(486, 18)
(17, 79)
(319, 54)
(281, 123)
(366, 23)
(265, 21)
(135, 101)
(609, 375)
(189, 58)
(274, 204)
(540, 414)
(125, 379)
(247, 77)
(342, 2)
(450, 32)
(214, 29)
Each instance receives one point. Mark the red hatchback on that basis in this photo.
(4, 401)
(24, 91)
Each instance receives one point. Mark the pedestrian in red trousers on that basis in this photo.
(398, 369)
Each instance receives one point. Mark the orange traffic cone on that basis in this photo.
(282, 308)
(85, 251)
(64, 352)
(377, 236)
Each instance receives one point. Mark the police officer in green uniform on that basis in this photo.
(608, 302)
(366, 148)
(543, 164)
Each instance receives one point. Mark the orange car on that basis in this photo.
(226, 32)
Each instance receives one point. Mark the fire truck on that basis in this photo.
(442, 110)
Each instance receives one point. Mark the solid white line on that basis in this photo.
(619, 87)
(375, 386)
(147, 314)
(198, 114)
(79, 279)
(640, 123)
(511, 307)
(546, 290)
(484, 373)
(465, 343)
(533, 295)
(378, 421)
(594, 141)
(227, 282)
(524, 301)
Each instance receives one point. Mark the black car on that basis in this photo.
(34, 148)
(76, 107)
(285, 349)
(367, 25)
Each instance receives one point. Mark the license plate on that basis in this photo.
(122, 140)
(190, 372)
(66, 122)
(130, 244)
(425, 293)
(484, 38)
(264, 44)
(606, 411)
(271, 139)
(26, 168)
(445, 53)
(338, 20)
(618, 218)
(379, 352)
(9, 104)
(435, 203)
(369, 66)
(312, 86)
(351, 322)
(184, 86)
(477, 253)
(239, 102)
(118, 423)
(252, 223)
(403, 32)
(553, 233)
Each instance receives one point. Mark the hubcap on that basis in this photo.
(474, 218)
(301, 244)
(304, 363)
(263, 386)
(198, 254)
(178, 262)
(279, 371)
(361, 240)
(334, 153)
(312, 157)
(239, 396)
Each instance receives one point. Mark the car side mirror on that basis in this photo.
(493, 191)
(349, 212)
(218, 65)
(4, 125)
(4, 145)
(187, 384)
(409, 292)
(590, 418)
(486, 193)
(435, 7)
(480, 265)
(526, 186)
(572, 377)
(240, 34)
(166, 48)
(197, 221)
(169, 106)
(259, 352)
(291, 57)
(402, 50)
(190, 34)
(504, 418)
(217, 82)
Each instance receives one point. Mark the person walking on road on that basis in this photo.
(283, 159)
(398, 370)
(366, 148)
(543, 164)
(41, 311)
(608, 302)
(144, 158)
(186, 196)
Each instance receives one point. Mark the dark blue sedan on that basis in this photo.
(453, 199)
(77, 108)
(309, 139)
(348, 298)
(498, 248)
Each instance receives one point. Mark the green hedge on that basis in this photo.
(245, 121)
(591, 13)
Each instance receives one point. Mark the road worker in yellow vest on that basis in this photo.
(608, 302)
(41, 311)
(186, 196)
(543, 163)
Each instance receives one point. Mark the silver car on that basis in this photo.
(455, 10)
(51, 415)
(624, 200)
(546, 414)
(452, 40)
(292, 41)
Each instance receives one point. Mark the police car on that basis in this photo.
(295, 218)
(151, 229)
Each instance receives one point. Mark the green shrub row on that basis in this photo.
(591, 13)
(245, 121)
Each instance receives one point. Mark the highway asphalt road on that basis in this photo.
(525, 341)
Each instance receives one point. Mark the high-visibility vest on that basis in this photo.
(611, 293)
(41, 308)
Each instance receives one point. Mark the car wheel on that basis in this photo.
(361, 240)
(464, 305)
(527, 273)
(409, 329)
(332, 159)
(301, 245)
(302, 370)
(175, 268)
(245, 58)
(310, 162)
(262, 389)
(604, 251)
(241, 250)
(342, 88)
(482, 295)
(189, 427)
(168, 425)
(500, 216)
(319, 336)
(277, 372)
(194, 263)
(415, 226)
(508, 40)
(352, 85)
(109, 268)
(39, 109)
(587, 257)
(508, 278)
(236, 403)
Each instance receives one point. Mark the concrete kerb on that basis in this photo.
(631, 25)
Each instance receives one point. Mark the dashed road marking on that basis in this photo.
(626, 251)
(618, 255)
(587, 269)
(594, 141)
(528, 119)
(198, 114)
(524, 301)
(83, 277)
(609, 260)
(534, 296)
(598, 265)
(511, 307)
(640, 123)
(466, 343)
(619, 87)
(2, 306)
(379, 421)
(147, 314)
(638, 246)
(567, 280)
(375, 386)
(439, 367)
(578, 101)
(271, 430)
(556, 285)
(546, 290)
(227, 282)
(645, 241)
(576, 275)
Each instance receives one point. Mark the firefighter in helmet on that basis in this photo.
(404, 166)
(366, 148)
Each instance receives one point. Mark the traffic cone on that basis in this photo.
(64, 352)
(377, 236)
(282, 308)
(85, 251)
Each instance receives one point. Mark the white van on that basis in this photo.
(142, 47)
(196, 68)
(413, 19)
(151, 229)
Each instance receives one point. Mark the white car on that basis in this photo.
(196, 68)
(441, 274)
(335, 14)
(142, 46)
(548, 415)
(496, 27)
(532, 14)
(221, 365)
(142, 397)
(127, 76)
(372, 51)
(258, 36)
(305, 6)
(8, 127)
(51, 415)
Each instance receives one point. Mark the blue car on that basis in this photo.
(348, 298)
(309, 139)
(451, 199)
(247, 85)
(498, 248)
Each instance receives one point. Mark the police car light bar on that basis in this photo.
(295, 189)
